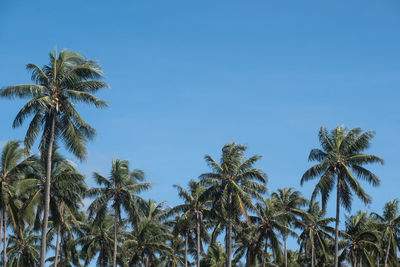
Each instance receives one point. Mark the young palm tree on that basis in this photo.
(341, 156)
(23, 249)
(215, 256)
(68, 78)
(389, 223)
(120, 190)
(13, 167)
(193, 210)
(232, 186)
(289, 201)
(315, 231)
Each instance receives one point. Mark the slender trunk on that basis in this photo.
(147, 262)
(116, 215)
(337, 223)
(57, 244)
(387, 253)
(265, 253)
(285, 248)
(312, 251)
(61, 248)
(361, 261)
(1, 224)
(47, 193)
(198, 238)
(228, 236)
(186, 247)
(5, 238)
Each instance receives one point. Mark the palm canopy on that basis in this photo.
(68, 78)
(341, 156)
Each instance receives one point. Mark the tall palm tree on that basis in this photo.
(120, 190)
(341, 156)
(289, 201)
(68, 78)
(193, 210)
(315, 230)
(13, 167)
(389, 223)
(360, 238)
(232, 185)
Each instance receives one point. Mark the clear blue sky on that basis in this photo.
(189, 76)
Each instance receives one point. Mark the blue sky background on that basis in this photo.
(188, 77)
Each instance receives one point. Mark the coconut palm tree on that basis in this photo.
(249, 244)
(269, 225)
(215, 256)
(389, 223)
(148, 239)
(68, 78)
(67, 190)
(360, 238)
(315, 230)
(13, 167)
(23, 248)
(289, 201)
(194, 209)
(232, 185)
(339, 159)
(120, 190)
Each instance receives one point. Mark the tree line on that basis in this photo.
(226, 217)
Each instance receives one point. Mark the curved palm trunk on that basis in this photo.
(115, 238)
(57, 245)
(337, 224)
(5, 239)
(186, 248)
(198, 238)
(387, 253)
(47, 193)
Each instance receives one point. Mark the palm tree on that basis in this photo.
(249, 244)
(232, 185)
(194, 209)
(98, 238)
(360, 238)
(215, 256)
(13, 167)
(315, 231)
(148, 239)
(67, 190)
(23, 249)
(269, 225)
(289, 201)
(69, 78)
(389, 223)
(341, 156)
(120, 190)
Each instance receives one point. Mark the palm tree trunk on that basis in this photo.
(265, 253)
(353, 254)
(337, 223)
(116, 215)
(5, 239)
(198, 238)
(312, 252)
(228, 237)
(57, 245)
(186, 247)
(387, 253)
(1, 224)
(285, 248)
(61, 247)
(47, 193)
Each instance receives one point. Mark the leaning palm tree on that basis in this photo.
(232, 185)
(341, 156)
(120, 190)
(13, 167)
(193, 211)
(69, 78)
(389, 223)
(289, 201)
